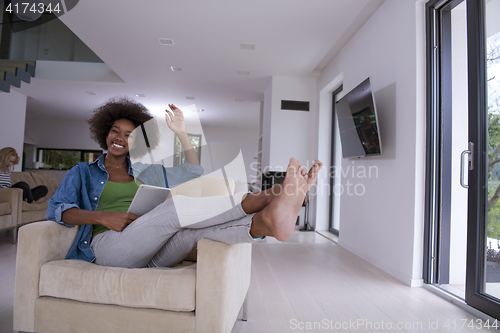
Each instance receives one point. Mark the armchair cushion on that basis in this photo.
(30, 212)
(36, 178)
(28, 207)
(47, 178)
(160, 288)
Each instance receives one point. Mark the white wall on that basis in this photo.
(224, 144)
(288, 133)
(12, 113)
(291, 129)
(382, 221)
(60, 134)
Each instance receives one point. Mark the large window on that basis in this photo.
(336, 163)
(64, 159)
(179, 152)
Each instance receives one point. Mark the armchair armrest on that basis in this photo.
(14, 196)
(222, 282)
(38, 243)
(10, 194)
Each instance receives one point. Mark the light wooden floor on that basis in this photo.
(310, 284)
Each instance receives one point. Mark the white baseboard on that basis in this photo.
(329, 235)
(412, 282)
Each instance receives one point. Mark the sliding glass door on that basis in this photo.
(463, 151)
(483, 258)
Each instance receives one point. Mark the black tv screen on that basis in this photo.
(358, 122)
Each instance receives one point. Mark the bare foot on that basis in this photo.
(312, 175)
(255, 202)
(279, 217)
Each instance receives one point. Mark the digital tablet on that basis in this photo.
(147, 198)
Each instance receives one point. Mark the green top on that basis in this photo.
(115, 197)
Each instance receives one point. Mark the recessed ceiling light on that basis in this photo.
(239, 100)
(246, 46)
(244, 72)
(90, 93)
(166, 41)
(176, 69)
(140, 95)
(190, 97)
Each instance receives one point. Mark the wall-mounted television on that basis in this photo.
(358, 122)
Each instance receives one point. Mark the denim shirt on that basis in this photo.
(83, 184)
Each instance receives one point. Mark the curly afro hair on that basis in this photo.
(123, 108)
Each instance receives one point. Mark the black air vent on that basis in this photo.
(294, 105)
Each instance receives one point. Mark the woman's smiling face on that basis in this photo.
(120, 137)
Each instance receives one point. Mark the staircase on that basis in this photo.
(12, 72)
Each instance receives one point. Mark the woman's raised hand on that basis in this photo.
(175, 119)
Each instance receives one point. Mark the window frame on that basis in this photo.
(177, 162)
(40, 150)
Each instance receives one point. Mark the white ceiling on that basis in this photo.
(291, 37)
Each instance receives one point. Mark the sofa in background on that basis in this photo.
(56, 295)
(10, 209)
(14, 212)
(32, 212)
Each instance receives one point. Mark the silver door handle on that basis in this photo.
(470, 165)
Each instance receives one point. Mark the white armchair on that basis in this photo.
(56, 295)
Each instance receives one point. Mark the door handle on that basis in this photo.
(470, 165)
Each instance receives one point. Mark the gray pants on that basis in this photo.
(164, 236)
